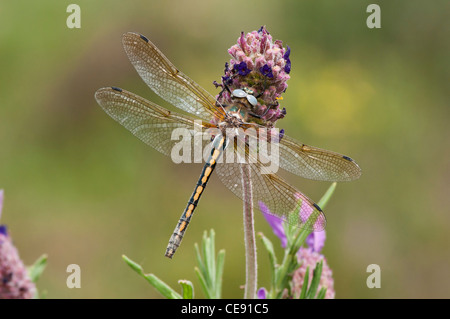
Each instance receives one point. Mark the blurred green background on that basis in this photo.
(82, 189)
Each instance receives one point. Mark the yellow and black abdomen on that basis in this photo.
(175, 240)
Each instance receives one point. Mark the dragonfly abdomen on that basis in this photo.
(208, 168)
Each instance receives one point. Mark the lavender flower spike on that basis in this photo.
(261, 65)
(14, 280)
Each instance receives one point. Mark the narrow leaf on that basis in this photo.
(206, 259)
(269, 247)
(159, 285)
(219, 272)
(211, 258)
(322, 293)
(317, 273)
(187, 289)
(326, 197)
(35, 271)
(305, 284)
(199, 259)
(203, 283)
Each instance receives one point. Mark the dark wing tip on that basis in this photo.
(347, 158)
(133, 36)
(103, 92)
(143, 38)
(116, 89)
(318, 207)
(355, 167)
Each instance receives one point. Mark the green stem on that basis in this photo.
(249, 235)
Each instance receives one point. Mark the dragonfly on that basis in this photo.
(154, 125)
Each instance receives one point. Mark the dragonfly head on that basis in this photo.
(247, 94)
(238, 112)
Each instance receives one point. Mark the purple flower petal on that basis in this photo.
(281, 133)
(287, 66)
(262, 293)
(242, 42)
(287, 53)
(275, 222)
(242, 69)
(266, 71)
(316, 241)
(3, 230)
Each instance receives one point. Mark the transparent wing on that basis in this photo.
(280, 197)
(166, 80)
(153, 124)
(315, 163)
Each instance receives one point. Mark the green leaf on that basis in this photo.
(187, 289)
(210, 257)
(159, 285)
(322, 293)
(315, 281)
(35, 271)
(327, 196)
(135, 266)
(210, 270)
(206, 259)
(272, 259)
(305, 285)
(199, 259)
(219, 272)
(269, 247)
(203, 283)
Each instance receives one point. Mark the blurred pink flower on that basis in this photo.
(307, 256)
(14, 280)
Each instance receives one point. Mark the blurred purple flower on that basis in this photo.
(287, 66)
(262, 293)
(307, 256)
(316, 241)
(275, 222)
(14, 280)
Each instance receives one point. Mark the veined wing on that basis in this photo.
(151, 123)
(300, 159)
(315, 163)
(166, 80)
(280, 197)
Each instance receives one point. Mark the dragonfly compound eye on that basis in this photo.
(252, 100)
(239, 93)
